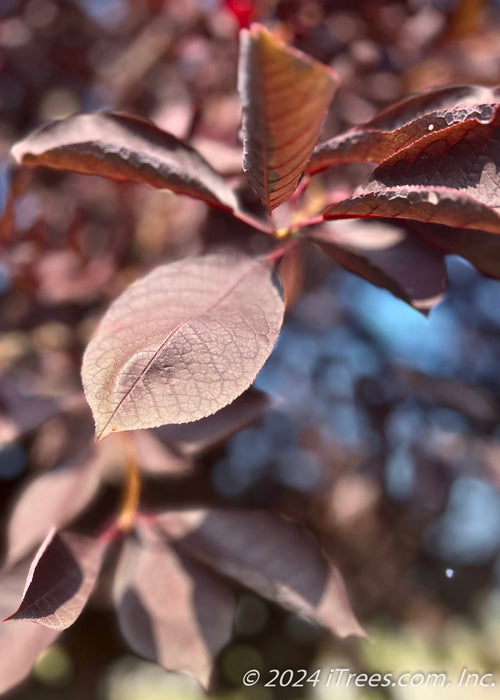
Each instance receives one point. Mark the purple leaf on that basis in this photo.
(60, 581)
(183, 342)
(402, 124)
(56, 497)
(123, 147)
(285, 96)
(269, 555)
(21, 642)
(388, 257)
(170, 610)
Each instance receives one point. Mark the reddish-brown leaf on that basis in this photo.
(464, 157)
(21, 642)
(402, 124)
(388, 257)
(60, 580)
(433, 205)
(269, 555)
(183, 342)
(285, 96)
(171, 610)
(55, 497)
(123, 147)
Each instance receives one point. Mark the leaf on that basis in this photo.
(170, 610)
(450, 180)
(432, 205)
(57, 497)
(431, 100)
(194, 438)
(285, 96)
(464, 157)
(388, 257)
(60, 580)
(480, 248)
(123, 147)
(182, 342)
(268, 555)
(403, 123)
(21, 642)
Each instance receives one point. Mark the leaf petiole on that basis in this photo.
(305, 223)
(132, 489)
(251, 221)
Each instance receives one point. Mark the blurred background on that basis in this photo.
(385, 433)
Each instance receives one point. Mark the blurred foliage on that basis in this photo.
(386, 440)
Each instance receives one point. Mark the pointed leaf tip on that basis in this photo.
(124, 147)
(60, 580)
(21, 643)
(419, 116)
(272, 556)
(285, 96)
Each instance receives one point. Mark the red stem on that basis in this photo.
(304, 223)
(110, 532)
(255, 223)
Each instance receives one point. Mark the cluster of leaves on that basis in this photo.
(189, 338)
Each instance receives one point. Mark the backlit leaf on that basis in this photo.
(403, 123)
(448, 180)
(433, 205)
(123, 147)
(183, 342)
(464, 156)
(270, 556)
(171, 610)
(60, 581)
(285, 96)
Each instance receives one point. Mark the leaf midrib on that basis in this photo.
(171, 335)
